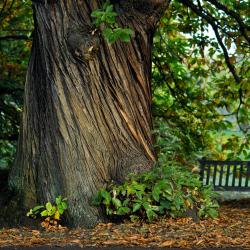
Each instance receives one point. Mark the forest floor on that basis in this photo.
(231, 229)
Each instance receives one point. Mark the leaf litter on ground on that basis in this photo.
(230, 229)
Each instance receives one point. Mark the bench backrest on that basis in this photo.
(226, 175)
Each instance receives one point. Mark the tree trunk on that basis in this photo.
(87, 113)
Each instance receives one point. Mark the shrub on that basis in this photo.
(166, 190)
(51, 213)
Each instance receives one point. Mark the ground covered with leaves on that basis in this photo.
(231, 229)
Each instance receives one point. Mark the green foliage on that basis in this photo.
(175, 144)
(112, 32)
(7, 150)
(50, 212)
(195, 97)
(15, 21)
(168, 189)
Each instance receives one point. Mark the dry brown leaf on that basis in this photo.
(167, 243)
(117, 242)
(35, 232)
(199, 242)
(77, 241)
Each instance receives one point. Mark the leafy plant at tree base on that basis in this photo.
(112, 32)
(50, 213)
(168, 189)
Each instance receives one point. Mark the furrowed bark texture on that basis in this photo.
(87, 115)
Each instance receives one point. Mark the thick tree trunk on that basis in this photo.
(87, 114)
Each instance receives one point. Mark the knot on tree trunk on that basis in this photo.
(83, 43)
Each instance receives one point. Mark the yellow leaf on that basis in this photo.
(57, 215)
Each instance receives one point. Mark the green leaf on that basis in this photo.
(123, 210)
(126, 202)
(165, 204)
(60, 210)
(97, 199)
(212, 213)
(136, 206)
(52, 211)
(150, 214)
(156, 193)
(37, 208)
(116, 202)
(126, 35)
(134, 218)
(109, 211)
(30, 213)
(58, 200)
(48, 206)
(44, 213)
(109, 8)
(64, 205)
(106, 196)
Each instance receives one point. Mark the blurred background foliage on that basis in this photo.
(16, 26)
(201, 87)
(200, 70)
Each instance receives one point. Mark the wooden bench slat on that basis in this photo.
(227, 176)
(231, 174)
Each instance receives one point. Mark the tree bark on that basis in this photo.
(87, 113)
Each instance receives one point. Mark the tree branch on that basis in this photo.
(2, 10)
(15, 37)
(215, 27)
(11, 5)
(226, 56)
(242, 27)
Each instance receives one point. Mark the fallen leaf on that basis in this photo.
(35, 232)
(167, 243)
(77, 241)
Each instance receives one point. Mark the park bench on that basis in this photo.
(226, 175)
